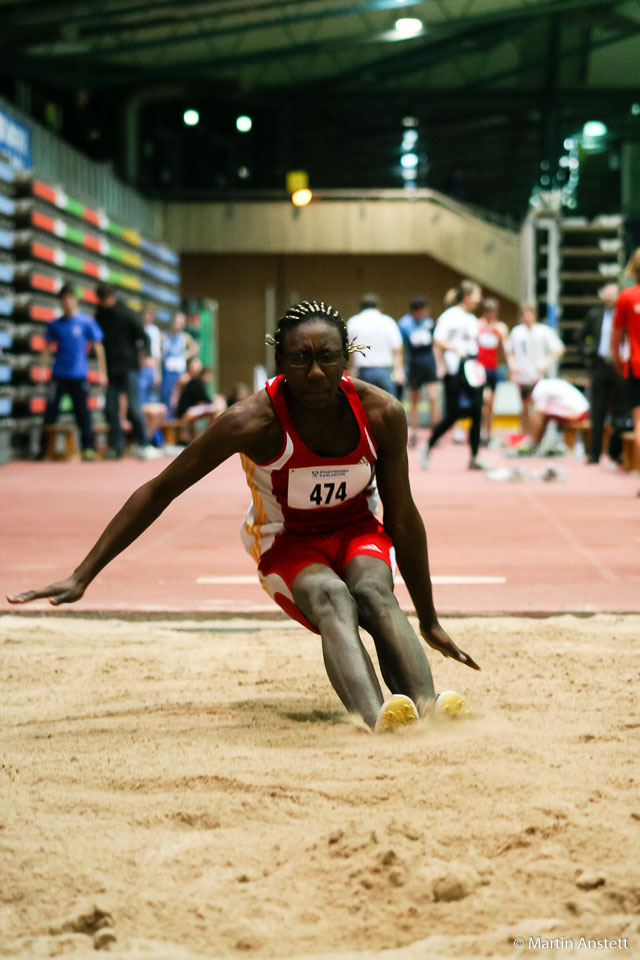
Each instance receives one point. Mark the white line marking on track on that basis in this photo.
(253, 579)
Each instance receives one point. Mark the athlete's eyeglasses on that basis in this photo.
(305, 358)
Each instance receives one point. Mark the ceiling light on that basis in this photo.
(409, 160)
(408, 26)
(635, 109)
(594, 129)
(244, 123)
(300, 198)
(569, 143)
(191, 118)
(409, 139)
(409, 121)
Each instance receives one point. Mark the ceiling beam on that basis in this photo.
(237, 29)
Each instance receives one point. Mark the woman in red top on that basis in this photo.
(627, 321)
(492, 334)
(309, 444)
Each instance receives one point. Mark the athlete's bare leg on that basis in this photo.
(433, 395)
(525, 415)
(487, 413)
(325, 601)
(403, 662)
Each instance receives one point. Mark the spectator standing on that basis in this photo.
(532, 348)
(627, 321)
(383, 363)
(74, 334)
(456, 336)
(416, 328)
(492, 336)
(124, 338)
(607, 388)
(178, 347)
(149, 379)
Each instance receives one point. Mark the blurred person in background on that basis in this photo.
(192, 399)
(124, 339)
(74, 334)
(383, 364)
(456, 337)
(532, 349)
(178, 347)
(150, 377)
(607, 388)
(626, 326)
(492, 336)
(416, 328)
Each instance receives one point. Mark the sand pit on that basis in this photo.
(190, 789)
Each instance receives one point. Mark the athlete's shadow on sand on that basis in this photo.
(298, 710)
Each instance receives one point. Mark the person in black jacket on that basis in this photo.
(124, 338)
(607, 390)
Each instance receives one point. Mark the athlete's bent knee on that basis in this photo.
(329, 597)
(373, 599)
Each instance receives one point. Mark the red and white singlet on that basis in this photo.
(488, 342)
(302, 492)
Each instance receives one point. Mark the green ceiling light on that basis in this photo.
(409, 140)
(409, 160)
(244, 123)
(408, 26)
(594, 129)
(635, 109)
(191, 118)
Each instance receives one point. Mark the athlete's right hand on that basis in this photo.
(64, 591)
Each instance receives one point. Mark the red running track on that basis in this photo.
(547, 547)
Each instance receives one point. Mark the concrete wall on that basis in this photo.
(436, 227)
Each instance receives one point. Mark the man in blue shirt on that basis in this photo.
(74, 334)
(416, 328)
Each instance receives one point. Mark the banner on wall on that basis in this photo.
(15, 141)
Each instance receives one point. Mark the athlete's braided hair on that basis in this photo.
(305, 312)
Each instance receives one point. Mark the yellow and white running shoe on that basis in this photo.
(398, 711)
(450, 704)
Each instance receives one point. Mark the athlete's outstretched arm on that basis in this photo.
(404, 525)
(229, 434)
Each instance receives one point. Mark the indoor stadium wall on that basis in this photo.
(253, 290)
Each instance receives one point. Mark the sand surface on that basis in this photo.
(191, 789)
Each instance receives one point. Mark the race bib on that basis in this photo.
(420, 337)
(175, 364)
(488, 340)
(313, 487)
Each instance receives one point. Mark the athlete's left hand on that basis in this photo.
(440, 640)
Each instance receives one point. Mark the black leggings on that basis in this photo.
(455, 389)
(78, 390)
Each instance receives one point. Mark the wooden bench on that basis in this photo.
(60, 441)
(172, 429)
(630, 458)
(571, 432)
(100, 439)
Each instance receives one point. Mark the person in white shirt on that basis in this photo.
(553, 399)
(382, 363)
(532, 348)
(456, 339)
(607, 388)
